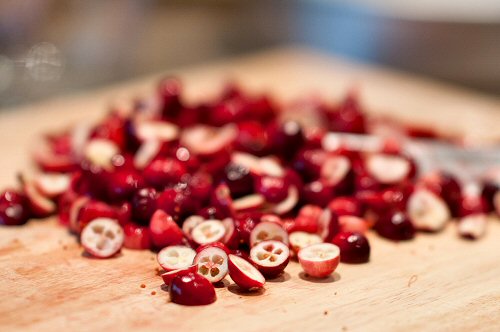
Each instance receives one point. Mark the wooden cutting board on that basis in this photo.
(436, 282)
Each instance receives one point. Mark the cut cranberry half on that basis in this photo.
(473, 226)
(354, 247)
(268, 231)
(300, 240)
(212, 263)
(175, 257)
(353, 224)
(40, 205)
(102, 237)
(191, 289)
(335, 169)
(52, 185)
(156, 130)
(244, 274)
(248, 203)
(209, 231)
(270, 257)
(388, 168)
(100, 152)
(288, 203)
(164, 230)
(427, 211)
(208, 141)
(319, 260)
(170, 275)
(190, 223)
(136, 237)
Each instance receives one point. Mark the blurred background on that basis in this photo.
(52, 47)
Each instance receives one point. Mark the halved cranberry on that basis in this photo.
(395, 225)
(447, 186)
(137, 237)
(342, 206)
(221, 199)
(251, 138)
(163, 172)
(144, 205)
(164, 230)
(270, 257)
(192, 289)
(245, 223)
(472, 204)
(177, 202)
(354, 247)
(93, 210)
(348, 117)
(308, 163)
(231, 110)
(307, 219)
(200, 185)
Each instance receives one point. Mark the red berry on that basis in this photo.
(354, 247)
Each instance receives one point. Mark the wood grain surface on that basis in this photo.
(434, 283)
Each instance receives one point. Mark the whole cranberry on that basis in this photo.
(136, 237)
(285, 138)
(144, 205)
(251, 138)
(177, 202)
(317, 193)
(185, 157)
(169, 90)
(354, 247)
(200, 185)
(212, 212)
(307, 219)
(490, 189)
(191, 289)
(348, 117)
(113, 129)
(274, 189)
(472, 204)
(262, 108)
(93, 210)
(395, 225)
(308, 163)
(93, 180)
(231, 110)
(122, 185)
(238, 179)
(124, 213)
(346, 206)
(163, 172)
(13, 208)
(245, 223)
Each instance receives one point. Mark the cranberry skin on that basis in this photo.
(251, 138)
(144, 204)
(274, 189)
(285, 138)
(200, 185)
(64, 204)
(124, 213)
(93, 210)
(13, 208)
(163, 172)
(137, 237)
(308, 163)
(113, 129)
(317, 193)
(190, 161)
(177, 202)
(348, 117)
(123, 184)
(217, 244)
(245, 223)
(488, 193)
(472, 205)
(169, 90)
(306, 220)
(346, 206)
(238, 179)
(395, 225)
(93, 180)
(447, 186)
(354, 247)
(192, 289)
(242, 254)
(212, 212)
(231, 110)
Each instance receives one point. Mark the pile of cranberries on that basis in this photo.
(237, 186)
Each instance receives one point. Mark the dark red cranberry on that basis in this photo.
(285, 138)
(395, 225)
(293, 178)
(346, 206)
(215, 164)
(354, 247)
(192, 289)
(13, 208)
(314, 137)
(93, 210)
(317, 193)
(490, 189)
(212, 212)
(200, 184)
(308, 163)
(232, 110)
(245, 223)
(222, 200)
(163, 172)
(137, 237)
(348, 117)
(113, 129)
(169, 90)
(251, 138)
(238, 179)
(124, 213)
(365, 182)
(144, 205)
(93, 180)
(307, 219)
(472, 204)
(64, 204)
(123, 184)
(446, 186)
(189, 160)
(261, 109)
(177, 202)
(123, 161)
(274, 189)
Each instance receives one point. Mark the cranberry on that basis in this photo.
(307, 219)
(354, 247)
(163, 172)
(200, 184)
(318, 193)
(221, 199)
(13, 208)
(137, 237)
(245, 223)
(123, 184)
(308, 163)
(283, 136)
(144, 204)
(229, 111)
(488, 193)
(348, 117)
(251, 138)
(261, 108)
(342, 206)
(395, 225)
(274, 189)
(238, 179)
(189, 160)
(113, 129)
(212, 212)
(191, 289)
(124, 213)
(123, 161)
(447, 186)
(93, 210)
(169, 90)
(242, 254)
(177, 202)
(472, 204)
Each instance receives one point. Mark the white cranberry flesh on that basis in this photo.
(175, 257)
(212, 263)
(102, 237)
(319, 260)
